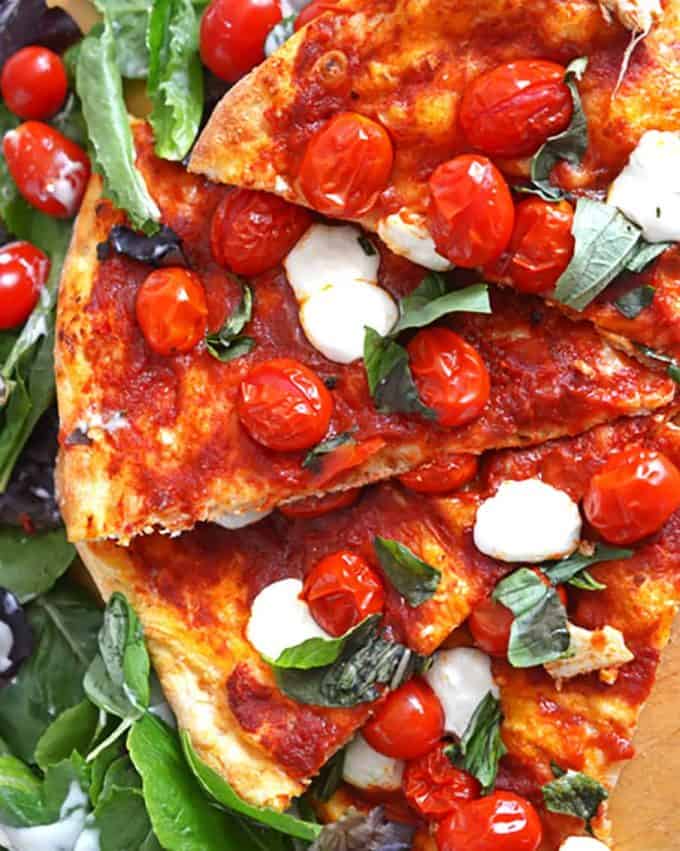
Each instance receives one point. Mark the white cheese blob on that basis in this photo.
(280, 619)
(648, 188)
(590, 650)
(405, 233)
(61, 835)
(527, 521)
(638, 16)
(461, 679)
(365, 768)
(583, 843)
(6, 644)
(230, 520)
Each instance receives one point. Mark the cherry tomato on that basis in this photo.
(342, 590)
(33, 82)
(450, 375)
(471, 212)
(313, 10)
(317, 506)
(23, 272)
(346, 166)
(434, 786)
(233, 33)
(172, 311)
(633, 495)
(253, 231)
(50, 170)
(284, 405)
(445, 474)
(501, 821)
(408, 723)
(512, 110)
(540, 248)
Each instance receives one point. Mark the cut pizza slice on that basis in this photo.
(419, 120)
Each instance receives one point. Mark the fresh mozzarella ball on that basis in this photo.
(590, 650)
(230, 520)
(461, 679)
(648, 188)
(334, 320)
(527, 521)
(279, 619)
(365, 768)
(6, 644)
(583, 843)
(406, 234)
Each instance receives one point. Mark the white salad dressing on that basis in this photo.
(6, 644)
(58, 836)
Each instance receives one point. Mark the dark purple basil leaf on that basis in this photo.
(359, 832)
(12, 615)
(25, 22)
(164, 248)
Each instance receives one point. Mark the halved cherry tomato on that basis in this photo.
(408, 723)
(633, 495)
(445, 474)
(540, 248)
(511, 110)
(171, 310)
(33, 82)
(434, 786)
(501, 821)
(317, 506)
(233, 33)
(471, 212)
(253, 231)
(23, 272)
(346, 166)
(50, 170)
(284, 405)
(313, 10)
(451, 377)
(342, 590)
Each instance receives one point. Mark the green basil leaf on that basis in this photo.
(129, 20)
(574, 794)
(175, 83)
(279, 34)
(357, 831)
(645, 253)
(74, 730)
(414, 579)
(634, 302)
(673, 370)
(605, 241)
(318, 652)
(572, 568)
(329, 779)
(481, 746)
(430, 301)
(389, 377)
(312, 460)
(31, 564)
(229, 343)
(539, 630)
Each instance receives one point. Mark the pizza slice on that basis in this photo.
(482, 135)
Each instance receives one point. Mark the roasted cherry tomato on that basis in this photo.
(633, 495)
(284, 405)
(23, 272)
(233, 33)
(50, 170)
(313, 10)
(172, 311)
(434, 786)
(501, 821)
(471, 211)
(512, 110)
(446, 473)
(33, 82)
(346, 166)
(253, 231)
(408, 723)
(450, 375)
(540, 248)
(317, 506)
(342, 589)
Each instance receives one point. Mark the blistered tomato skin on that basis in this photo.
(23, 272)
(346, 165)
(50, 170)
(33, 83)
(317, 506)
(511, 110)
(633, 495)
(252, 231)
(284, 405)
(471, 212)
(445, 474)
(172, 310)
(501, 821)
(434, 786)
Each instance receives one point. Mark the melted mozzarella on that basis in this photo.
(590, 650)
(461, 679)
(6, 644)
(405, 233)
(635, 15)
(648, 188)
(279, 619)
(527, 521)
(583, 843)
(61, 835)
(365, 768)
(230, 520)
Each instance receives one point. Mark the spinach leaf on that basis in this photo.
(574, 794)
(219, 789)
(318, 652)
(414, 579)
(74, 730)
(539, 630)
(312, 460)
(20, 794)
(69, 120)
(279, 34)
(645, 252)
(8, 190)
(632, 303)
(31, 564)
(481, 747)
(129, 20)
(389, 377)
(357, 831)
(573, 568)
(430, 301)
(229, 343)
(673, 370)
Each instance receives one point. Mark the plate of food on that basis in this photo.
(340, 439)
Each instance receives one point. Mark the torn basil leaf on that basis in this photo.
(481, 746)
(632, 303)
(645, 252)
(575, 794)
(329, 779)
(318, 652)
(430, 301)
(573, 568)
(673, 369)
(229, 343)
(312, 460)
(413, 578)
(161, 249)
(539, 630)
(359, 832)
(279, 34)
(389, 377)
